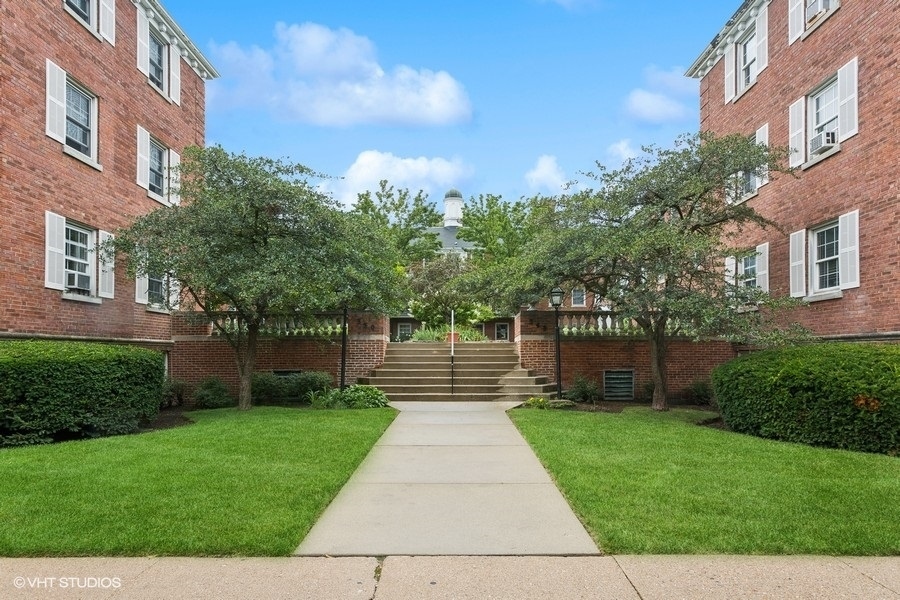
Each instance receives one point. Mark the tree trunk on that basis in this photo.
(246, 361)
(658, 344)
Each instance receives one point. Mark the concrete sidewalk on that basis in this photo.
(454, 577)
(449, 478)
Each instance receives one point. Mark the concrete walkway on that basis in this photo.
(454, 577)
(449, 478)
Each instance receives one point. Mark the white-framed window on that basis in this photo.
(746, 53)
(501, 332)
(99, 16)
(72, 115)
(750, 271)
(825, 259)
(747, 183)
(578, 296)
(828, 115)
(806, 15)
(404, 331)
(157, 168)
(71, 263)
(158, 57)
(159, 291)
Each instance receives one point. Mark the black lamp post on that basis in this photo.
(344, 347)
(556, 300)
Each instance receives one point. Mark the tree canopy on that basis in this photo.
(254, 236)
(652, 238)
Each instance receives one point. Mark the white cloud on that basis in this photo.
(622, 150)
(432, 175)
(332, 77)
(546, 175)
(654, 107)
(666, 99)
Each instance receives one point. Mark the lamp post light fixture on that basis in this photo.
(556, 299)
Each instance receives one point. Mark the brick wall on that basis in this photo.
(35, 174)
(589, 356)
(862, 175)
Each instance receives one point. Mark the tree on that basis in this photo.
(652, 239)
(404, 220)
(254, 237)
(501, 231)
(436, 290)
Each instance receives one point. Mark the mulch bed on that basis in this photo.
(167, 419)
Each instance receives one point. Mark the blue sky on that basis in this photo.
(508, 97)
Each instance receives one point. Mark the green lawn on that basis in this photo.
(656, 483)
(235, 483)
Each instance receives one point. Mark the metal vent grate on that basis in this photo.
(618, 385)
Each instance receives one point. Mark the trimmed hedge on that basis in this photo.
(268, 388)
(837, 395)
(53, 391)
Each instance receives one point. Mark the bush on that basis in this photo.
(354, 396)
(268, 388)
(699, 392)
(174, 393)
(538, 402)
(52, 391)
(439, 334)
(213, 393)
(837, 395)
(584, 390)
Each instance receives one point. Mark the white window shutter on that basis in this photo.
(848, 110)
(107, 286)
(762, 267)
(762, 137)
(848, 249)
(173, 180)
(141, 289)
(797, 128)
(143, 42)
(108, 20)
(55, 251)
(174, 293)
(729, 73)
(762, 39)
(56, 102)
(143, 158)
(796, 20)
(175, 74)
(730, 270)
(798, 264)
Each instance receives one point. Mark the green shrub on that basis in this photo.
(584, 390)
(699, 392)
(354, 396)
(52, 391)
(175, 392)
(439, 334)
(213, 393)
(838, 395)
(538, 402)
(268, 388)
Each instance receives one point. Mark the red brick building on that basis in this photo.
(98, 100)
(819, 77)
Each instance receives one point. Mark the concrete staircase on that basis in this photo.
(481, 371)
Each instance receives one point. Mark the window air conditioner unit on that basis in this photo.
(822, 142)
(815, 8)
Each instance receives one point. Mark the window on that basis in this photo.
(158, 58)
(71, 264)
(833, 253)
(806, 15)
(156, 168)
(71, 117)
(159, 291)
(99, 16)
(746, 53)
(578, 297)
(158, 51)
(404, 331)
(747, 183)
(750, 271)
(501, 332)
(825, 117)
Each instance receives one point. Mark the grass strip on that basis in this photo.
(232, 484)
(644, 482)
